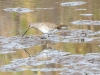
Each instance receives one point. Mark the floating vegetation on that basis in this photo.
(71, 64)
(18, 9)
(73, 3)
(8, 44)
(86, 22)
(17, 42)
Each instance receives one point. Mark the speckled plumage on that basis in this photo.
(45, 27)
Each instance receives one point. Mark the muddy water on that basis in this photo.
(74, 51)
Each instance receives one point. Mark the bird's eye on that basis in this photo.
(29, 26)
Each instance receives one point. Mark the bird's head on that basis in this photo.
(31, 25)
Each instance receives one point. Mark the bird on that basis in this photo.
(45, 27)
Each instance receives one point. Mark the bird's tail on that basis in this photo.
(62, 27)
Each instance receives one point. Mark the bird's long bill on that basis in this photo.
(25, 32)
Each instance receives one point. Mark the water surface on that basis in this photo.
(74, 50)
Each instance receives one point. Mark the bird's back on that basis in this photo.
(47, 27)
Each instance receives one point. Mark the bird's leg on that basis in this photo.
(47, 38)
(60, 39)
(59, 36)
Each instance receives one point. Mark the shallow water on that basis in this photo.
(73, 52)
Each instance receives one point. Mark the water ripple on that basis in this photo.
(73, 3)
(71, 64)
(86, 22)
(18, 9)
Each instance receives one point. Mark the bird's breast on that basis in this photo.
(44, 29)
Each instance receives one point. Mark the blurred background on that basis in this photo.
(15, 15)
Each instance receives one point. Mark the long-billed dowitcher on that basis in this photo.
(45, 27)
